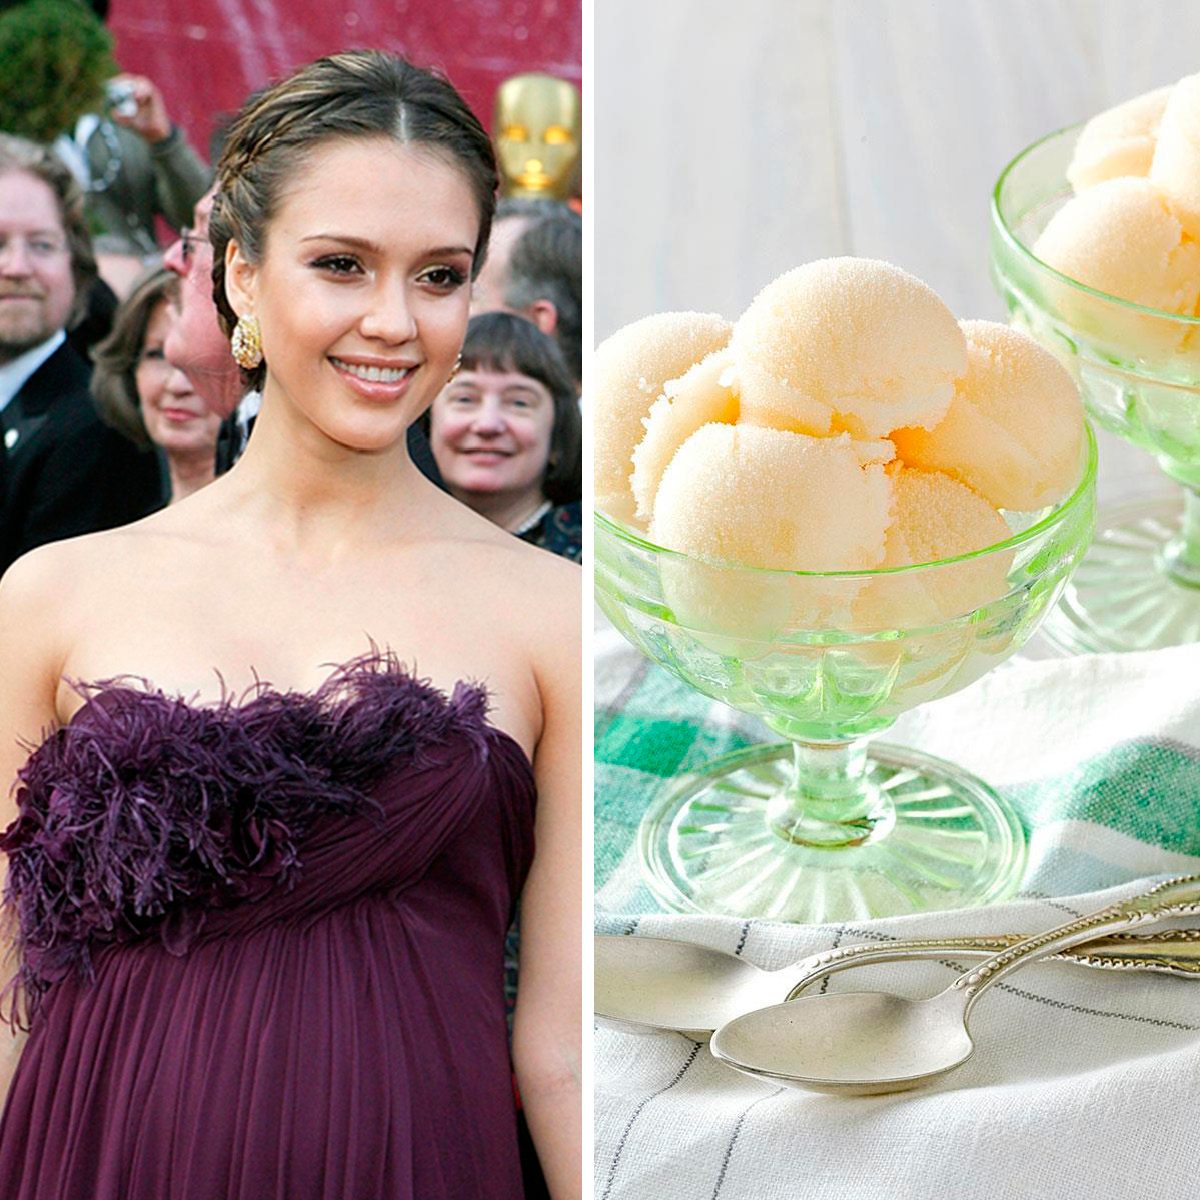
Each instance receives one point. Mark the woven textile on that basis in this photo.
(1083, 1084)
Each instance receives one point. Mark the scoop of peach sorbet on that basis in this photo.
(848, 344)
(628, 373)
(1014, 430)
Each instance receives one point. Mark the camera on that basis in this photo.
(121, 98)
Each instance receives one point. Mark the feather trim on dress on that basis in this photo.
(145, 810)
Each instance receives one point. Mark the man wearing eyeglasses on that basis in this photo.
(196, 344)
(65, 472)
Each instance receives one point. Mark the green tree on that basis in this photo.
(55, 56)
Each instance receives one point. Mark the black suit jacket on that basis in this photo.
(65, 471)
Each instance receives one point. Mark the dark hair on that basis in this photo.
(114, 381)
(503, 341)
(20, 154)
(547, 264)
(360, 93)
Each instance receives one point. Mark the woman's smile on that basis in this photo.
(490, 431)
(176, 418)
(373, 379)
(181, 416)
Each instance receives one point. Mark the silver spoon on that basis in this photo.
(648, 983)
(863, 1043)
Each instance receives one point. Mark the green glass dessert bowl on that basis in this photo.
(1138, 370)
(826, 824)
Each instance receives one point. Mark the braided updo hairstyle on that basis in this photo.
(361, 93)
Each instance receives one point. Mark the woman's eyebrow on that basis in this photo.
(366, 244)
(344, 238)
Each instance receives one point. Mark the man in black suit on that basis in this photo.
(65, 472)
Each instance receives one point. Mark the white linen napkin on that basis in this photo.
(1083, 1084)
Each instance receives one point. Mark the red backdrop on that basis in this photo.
(207, 55)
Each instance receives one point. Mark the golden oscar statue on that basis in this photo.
(536, 127)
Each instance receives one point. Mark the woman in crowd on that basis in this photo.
(262, 899)
(505, 432)
(143, 396)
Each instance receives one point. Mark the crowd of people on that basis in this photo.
(324, 425)
(163, 379)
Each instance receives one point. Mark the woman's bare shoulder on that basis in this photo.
(76, 569)
(71, 553)
(544, 594)
(520, 571)
(520, 592)
(518, 564)
(50, 570)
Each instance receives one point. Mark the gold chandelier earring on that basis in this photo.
(246, 343)
(454, 370)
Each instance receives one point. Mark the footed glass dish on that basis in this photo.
(1138, 370)
(826, 825)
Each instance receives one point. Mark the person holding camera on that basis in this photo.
(138, 165)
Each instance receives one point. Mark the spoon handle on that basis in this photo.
(1174, 898)
(1183, 892)
(1175, 952)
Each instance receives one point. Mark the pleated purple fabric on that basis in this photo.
(262, 946)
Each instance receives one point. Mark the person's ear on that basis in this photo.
(544, 315)
(241, 281)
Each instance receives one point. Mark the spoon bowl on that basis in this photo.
(658, 983)
(861, 1043)
(851, 1043)
(648, 983)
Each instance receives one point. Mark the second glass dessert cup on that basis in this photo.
(1138, 370)
(827, 825)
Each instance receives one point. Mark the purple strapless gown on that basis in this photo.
(262, 947)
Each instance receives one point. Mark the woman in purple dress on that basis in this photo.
(276, 748)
